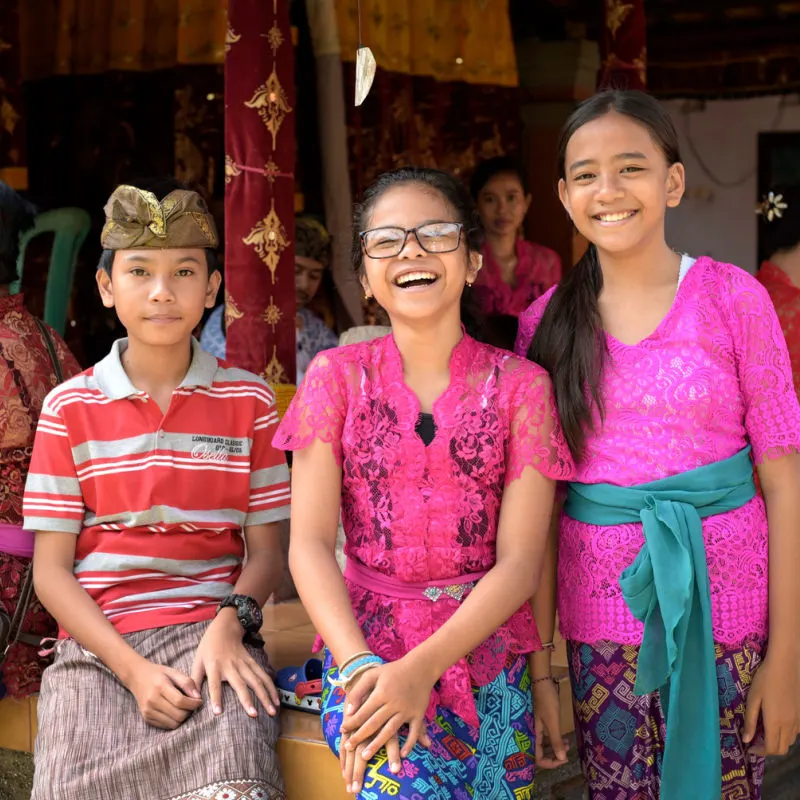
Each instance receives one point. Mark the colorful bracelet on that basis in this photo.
(352, 658)
(355, 666)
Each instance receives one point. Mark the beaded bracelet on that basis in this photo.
(546, 678)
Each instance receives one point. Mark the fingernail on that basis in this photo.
(251, 711)
(395, 767)
(356, 787)
(349, 709)
(271, 709)
(217, 710)
(196, 695)
(367, 755)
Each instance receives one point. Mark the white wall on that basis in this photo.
(720, 220)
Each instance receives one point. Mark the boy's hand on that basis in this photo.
(221, 656)
(166, 697)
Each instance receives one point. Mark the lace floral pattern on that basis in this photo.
(714, 376)
(538, 268)
(422, 513)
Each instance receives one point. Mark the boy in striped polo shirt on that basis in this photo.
(153, 473)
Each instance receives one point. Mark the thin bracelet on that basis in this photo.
(544, 678)
(352, 658)
(548, 646)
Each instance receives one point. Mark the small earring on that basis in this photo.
(367, 294)
(469, 283)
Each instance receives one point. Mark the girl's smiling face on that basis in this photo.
(617, 184)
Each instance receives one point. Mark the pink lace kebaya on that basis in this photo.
(714, 376)
(422, 513)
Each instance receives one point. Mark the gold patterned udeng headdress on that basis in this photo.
(136, 218)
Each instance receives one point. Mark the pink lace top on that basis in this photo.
(712, 377)
(538, 268)
(419, 513)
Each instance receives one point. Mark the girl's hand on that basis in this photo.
(221, 656)
(382, 701)
(775, 697)
(547, 712)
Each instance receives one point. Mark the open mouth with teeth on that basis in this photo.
(618, 216)
(409, 280)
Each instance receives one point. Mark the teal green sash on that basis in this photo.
(667, 588)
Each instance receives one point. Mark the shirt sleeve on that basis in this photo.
(269, 474)
(772, 412)
(535, 436)
(53, 498)
(528, 322)
(318, 410)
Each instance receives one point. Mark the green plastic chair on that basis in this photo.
(70, 227)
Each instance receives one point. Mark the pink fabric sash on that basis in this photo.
(374, 581)
(16, 541)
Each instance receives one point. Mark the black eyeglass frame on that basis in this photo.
(406, 231)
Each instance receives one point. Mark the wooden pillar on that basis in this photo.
(260, 193)
(554, 76)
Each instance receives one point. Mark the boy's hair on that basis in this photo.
(160, 187)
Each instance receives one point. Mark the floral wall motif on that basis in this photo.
(624, 45)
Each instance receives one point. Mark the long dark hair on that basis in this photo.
(569, 341)
(456, 195)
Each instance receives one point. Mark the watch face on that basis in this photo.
(249, 613)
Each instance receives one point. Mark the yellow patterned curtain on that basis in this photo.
(82, 37)
(468, 40)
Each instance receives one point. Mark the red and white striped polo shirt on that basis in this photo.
(158, 501)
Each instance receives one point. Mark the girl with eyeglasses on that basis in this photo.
(442, 453)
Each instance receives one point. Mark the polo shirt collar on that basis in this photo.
(114, 383)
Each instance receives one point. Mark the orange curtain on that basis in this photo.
(82, 37)
(469, 40)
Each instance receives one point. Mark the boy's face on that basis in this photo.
(307, 278)
(159, 295)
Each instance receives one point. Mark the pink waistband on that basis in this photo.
(16, 541)
(375, 581)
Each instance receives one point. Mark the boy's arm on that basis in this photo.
(221, 655)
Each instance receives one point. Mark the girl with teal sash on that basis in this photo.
(677, 585)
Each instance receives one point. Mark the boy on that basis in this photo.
(151, 472)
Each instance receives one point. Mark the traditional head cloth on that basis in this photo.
(135, 218)
(311, 240)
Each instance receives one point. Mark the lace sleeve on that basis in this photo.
(535, 438)
(772, 413)
(528, 322)
(318, 409)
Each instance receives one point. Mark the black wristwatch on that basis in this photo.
(248, 611)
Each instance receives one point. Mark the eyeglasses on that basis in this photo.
(433, 237)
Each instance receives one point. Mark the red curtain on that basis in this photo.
(624, 45)
(259, 191)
